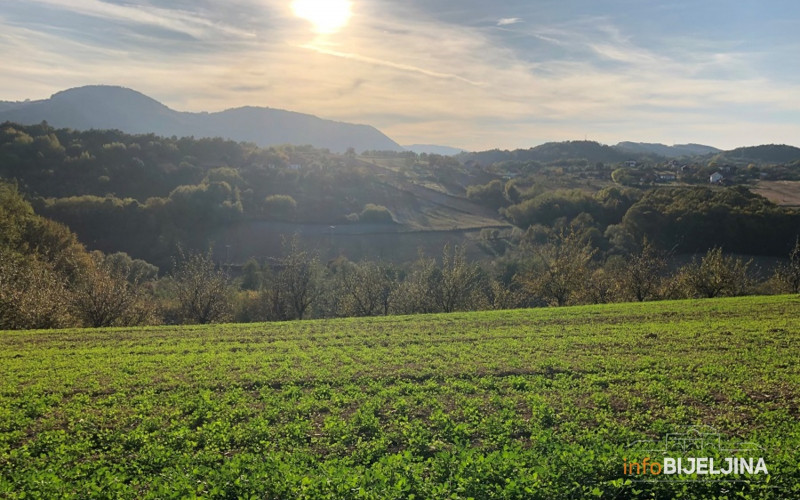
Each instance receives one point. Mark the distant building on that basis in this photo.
(666, 176)
(716, 178)
(631, 163)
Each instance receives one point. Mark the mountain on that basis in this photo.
(676, 151)
(107, 107)
(433, 149)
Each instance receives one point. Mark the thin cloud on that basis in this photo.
(508, 21)
(180, 21)
(418, 78)
(389, 64)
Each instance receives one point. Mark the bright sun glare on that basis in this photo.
(327, 16)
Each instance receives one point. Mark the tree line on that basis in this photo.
(49, 280)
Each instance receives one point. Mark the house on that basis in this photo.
(666, 177)
(630, 163)
(716, 178)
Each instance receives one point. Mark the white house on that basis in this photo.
(716, 178)
(666, 177)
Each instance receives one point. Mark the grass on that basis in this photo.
(783, 193)
(515, 404)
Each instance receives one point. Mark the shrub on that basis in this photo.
(376, 214)
(280, 206)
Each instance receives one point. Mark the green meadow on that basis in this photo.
(541, 403)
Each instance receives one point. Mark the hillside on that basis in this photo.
(675, 151)
(552, 152)
(543, 403)
(770, 153)
(433, 149)
(144, 194)
(105, 107)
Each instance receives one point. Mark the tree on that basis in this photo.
(558, 269)
(367, 287)
(716, 275)
(280, 207)
(414, 295)
(201, 289)
(134, 270)
(110, 293)
(788, 275)
(299, 278)
(641, 276)
(455, 282)
(251, 275)
(622, 176)
(599, 289)
(102, 296)
(32, 294)
(375, 214)
(491, 194)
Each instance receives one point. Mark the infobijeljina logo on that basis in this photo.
(698, 454)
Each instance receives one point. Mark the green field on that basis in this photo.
(522, 404)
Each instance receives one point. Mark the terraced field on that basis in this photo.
(516, 404)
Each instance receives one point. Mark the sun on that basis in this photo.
(327, 16)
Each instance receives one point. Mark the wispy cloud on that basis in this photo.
(508, 21)
(389, 64)
(417, 76)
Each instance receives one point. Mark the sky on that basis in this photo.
(473, 74)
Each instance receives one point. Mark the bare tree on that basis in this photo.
(716, 275)
(32, 294)
(414, 294)
(273, 301)
(299, 278)
(641, 276)
(109, 293)
(367, 287)
(600, 288)
(559, 269)
(455, 282)
(788, 275)
(102, 296)
(201, 288)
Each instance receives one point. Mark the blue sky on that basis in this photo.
(465, 73)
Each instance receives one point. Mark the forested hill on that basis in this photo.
(675, 151)
(773, 153)
(551, 152)
(592, 152)
(145, 194)
(106, 107)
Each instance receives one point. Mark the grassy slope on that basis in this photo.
(783, 193)
(520, 404)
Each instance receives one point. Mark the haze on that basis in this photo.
(463, 73)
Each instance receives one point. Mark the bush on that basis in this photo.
(716, 275)
(280, 206)
(376, 214)
(32, 294)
